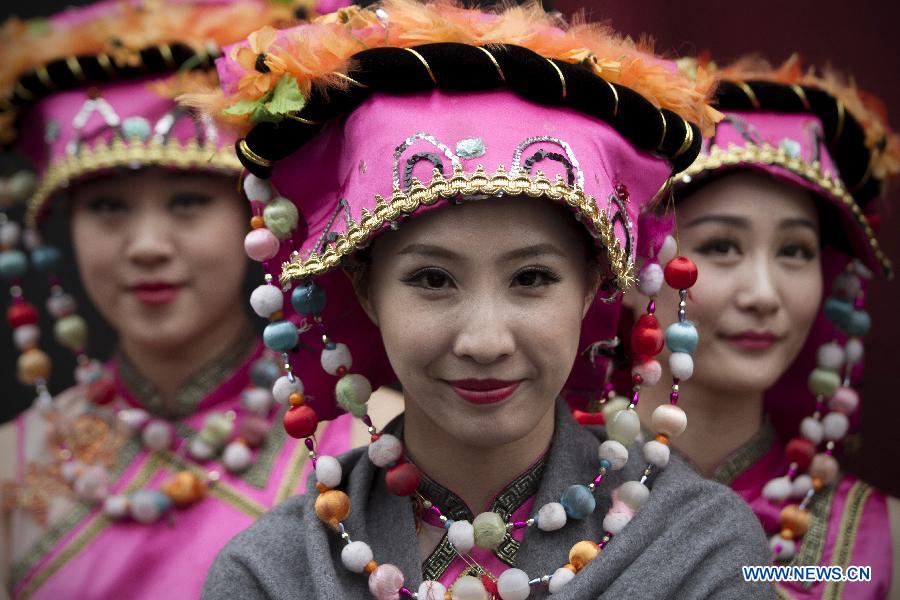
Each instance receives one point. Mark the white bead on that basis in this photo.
(669, 419)
(157, 436)
(10, 232)
(237, 457)
(801, 485)
(513, 585)
(116, 507)
(615, 452)
(356, 555)
(650, 372)
(133, 418)
(551, 516)
(650, 279)
(92, 484)
(681, 364)
(328, 471)
(431, 590)
(284, 387)
(830, 356)
(559, 579)
(811, 429)
(612, 406)
(462, 535)
(668, 251)
(835, 426)
(625, 426)
(615, 522)
(469, 588)
(339, 356)
(26, 336)
(144, 508)
(854, 349)
(778, 489)
(385, 450)
(256, 189)
(657, 453)
(60, 305)
(635, 494)
(266, 300)
(257, 401)
(200, 450)
(89, 373)
(787, 550)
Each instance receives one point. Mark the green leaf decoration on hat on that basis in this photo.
(285, 98)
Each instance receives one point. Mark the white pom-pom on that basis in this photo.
(337, 357)
(256, 189)
(650, 279)
(469, 588)
(668, 251)
(650, 372)
(385, 450)
(801, 486)
(328, 471)
(778, 489)
(656, 453)
(157, 435)
(669, 419)
(431, 590)
(462, 535)
(811, 429)
(612, 406)
(10, 232)
(835, 426)
(356, 555)
(284, 387)
(615, 452)
(133, 418)
(200, 450)
(615, 522)
(89, 373)
(854, 349)
(92, 483)
(513, 585)
(237, 457)
(115, 507)
(551, 516)
(559, 579)
(782, 549)
(26, 336)
(634, 494)
(257, 401)
(681, 364)
(266, 300)
(61, 305)
(830, 356)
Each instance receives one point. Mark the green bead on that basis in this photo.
(217, 428)
(624, 427)
(824, 383)
(357, 409)
(281, 217)
(490, 530)
(71, 331)
(352, 392)
(612, 406)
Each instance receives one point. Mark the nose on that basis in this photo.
(485, 335)
(150, 239)
(760, 288)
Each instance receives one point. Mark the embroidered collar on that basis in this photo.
(747, 455)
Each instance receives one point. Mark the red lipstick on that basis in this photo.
(155, 293)
(484, 391)
(753, 340)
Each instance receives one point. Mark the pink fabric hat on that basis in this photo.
(447, 105)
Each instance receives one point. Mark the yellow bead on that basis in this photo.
(257, 222)
(582, 553)
(33, 365)
(296, 399)
(332, 507)
(795, 519)
(370, 566)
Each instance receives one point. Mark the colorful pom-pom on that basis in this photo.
(309, 299)
(551, 516)
(403, 479)
(490, 530)
(578, 501)
(681, 273)
(332, 507)
(300, 421)
(266, 300)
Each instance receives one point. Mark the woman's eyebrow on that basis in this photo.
(532, 251)
(732, 220)
(429, 250)
(798, 222)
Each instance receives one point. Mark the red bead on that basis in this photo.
(102, 391)
(301, 421)
(586, 418)
(490, 585)
(20, 314)
(341, 371)
(403, 479)
(647, 338)
(801, 451)
(681, 273)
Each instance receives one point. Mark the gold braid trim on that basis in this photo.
(118, 153)
(464, 184)
(833, 187)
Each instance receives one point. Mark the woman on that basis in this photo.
(776, 214)
(129, 483)
(439, 168)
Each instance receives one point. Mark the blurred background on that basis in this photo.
(862, 37)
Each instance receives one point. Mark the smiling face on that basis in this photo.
(755, 241)
(160, 253)
(480, 308)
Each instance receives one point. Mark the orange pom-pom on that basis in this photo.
(582, 553)
(332, 507)
(795, 519)
(184, 488)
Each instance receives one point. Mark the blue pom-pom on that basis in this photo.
(682, 337)
(578, 501)
(13, 264)
(281, 336)
(264, 373)
(857, 323)
(308, 299)
(837, 311)
(46, 258)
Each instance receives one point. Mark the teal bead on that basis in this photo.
(46, 258)
(682, 337)
(308, 299)
(13, 264)
(136, 128)
(837, 311)
(264, 373)
(281, 336)
(857, 324)
(823, 382)
(578, 501)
